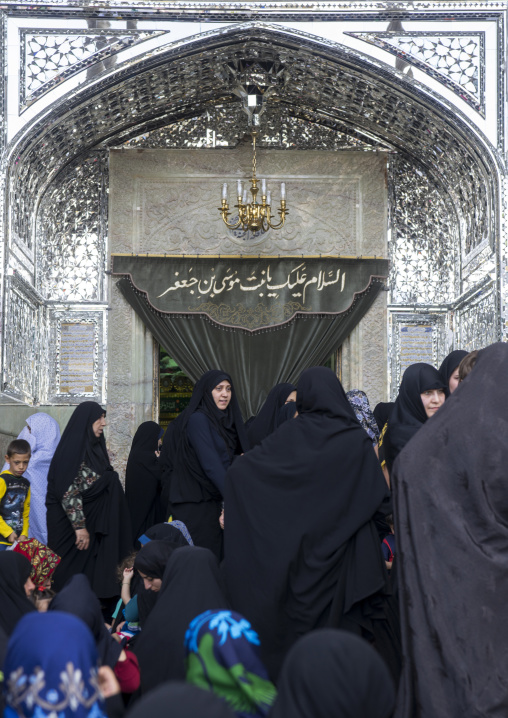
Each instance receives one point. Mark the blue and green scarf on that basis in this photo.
(222, 655)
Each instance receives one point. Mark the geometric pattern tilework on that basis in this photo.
(50, 56)
(281, 128)
(71, 240)
(424, 239)
(324, 91)
(23, 337)
(455, 59)
(478, 324)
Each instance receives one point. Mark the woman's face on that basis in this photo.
(222, 395)
(454, 381)
(29, 586)
(151, 584)
(432, 400)
(98, 426)
(291, 397)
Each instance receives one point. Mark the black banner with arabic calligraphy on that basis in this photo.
(250, 292)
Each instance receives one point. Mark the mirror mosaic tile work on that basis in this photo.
(422, 83)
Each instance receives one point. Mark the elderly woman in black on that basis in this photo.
(88, 519)
(208, 436)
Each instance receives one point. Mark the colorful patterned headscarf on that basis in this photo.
(223, 657)
(360, 403)
(43, 559)
(51, 669)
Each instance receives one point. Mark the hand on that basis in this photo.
(221, 519)
(82, 539)
(23, 538)
(120, 626)
(13, 537)
(108, 684)
(128, 573)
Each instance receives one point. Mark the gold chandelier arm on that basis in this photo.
(283, 212)
(224, 210)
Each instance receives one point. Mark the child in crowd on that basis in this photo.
(15, 495)
(125, 573)
(388, 545)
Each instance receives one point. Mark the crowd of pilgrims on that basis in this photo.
(321, 560)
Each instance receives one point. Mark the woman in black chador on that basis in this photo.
(301, 546)
(267, 420)
(143, 479)
(421, 394)
(88, 519)
(451, 520)
(206, 438)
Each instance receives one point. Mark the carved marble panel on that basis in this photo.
(166, 202)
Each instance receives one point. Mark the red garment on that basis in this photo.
(127, 673)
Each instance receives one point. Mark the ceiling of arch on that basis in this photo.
(363, 105)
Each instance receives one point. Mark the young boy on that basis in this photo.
(15, 495)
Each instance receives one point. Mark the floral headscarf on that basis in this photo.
(44, 561)
(223, 657)
(51, 669)
(360, 403)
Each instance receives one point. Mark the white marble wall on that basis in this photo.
(165, 201)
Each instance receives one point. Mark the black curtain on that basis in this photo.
(256, 361)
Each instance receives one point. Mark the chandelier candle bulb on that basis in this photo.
(239, 188)
(268, 197)
(225, 190)
(244, 198)
(263, 187)
(283, 190)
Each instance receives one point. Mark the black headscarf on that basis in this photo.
(449, 365)
(77, 597)
(14, 572)
(188, 480)
(180, 700)
(77, 445)
(154, 556)
(143, 479)
(287, 411)
(191, 585)
(408, 415)
(451, 523)
(334, 674)
(167, 532)
(382, 413)
(299, 521)
(266, 421)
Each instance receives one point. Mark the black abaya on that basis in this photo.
(191, 585)
(194, 490)
(77, 598)
(333, 674)
(302, 550)
(143, 480)
(180, 700)
(451, 523)
(382, 413)
(106, 513)
(14, 572)
(266, 421)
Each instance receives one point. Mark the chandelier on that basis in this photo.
(254, 215)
